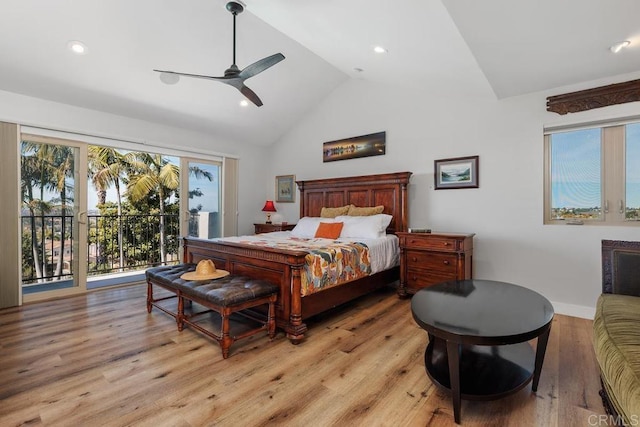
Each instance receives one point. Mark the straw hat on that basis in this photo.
(205, 270)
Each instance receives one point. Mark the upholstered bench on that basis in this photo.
(226, 295)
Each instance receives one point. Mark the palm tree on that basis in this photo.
(30, 180)
(153, 172)
(106, 167)
(60, 164)
(49, 166)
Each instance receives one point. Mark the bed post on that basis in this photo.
(405, 201)
(296, 329)
(301, 189)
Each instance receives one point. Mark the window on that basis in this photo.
(632, 172)
(592, 175)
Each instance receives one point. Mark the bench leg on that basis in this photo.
(271, 317)
(149, 296)
(226, 340)
(180, 315)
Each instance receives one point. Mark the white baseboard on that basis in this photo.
(574, 310)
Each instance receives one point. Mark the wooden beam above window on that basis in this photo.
(583, 100)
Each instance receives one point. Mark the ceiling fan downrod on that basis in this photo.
(235, 8)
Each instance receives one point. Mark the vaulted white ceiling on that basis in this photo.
(509, 47)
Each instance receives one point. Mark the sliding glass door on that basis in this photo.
(53, 216)
(95, 216)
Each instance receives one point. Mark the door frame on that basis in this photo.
(80, 242)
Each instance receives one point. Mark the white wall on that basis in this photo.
(506, 212)
(26, 110)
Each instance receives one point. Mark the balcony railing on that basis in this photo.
(115, 244)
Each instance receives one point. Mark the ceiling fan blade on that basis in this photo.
(260, 66)
(197, 76)
(251, 95)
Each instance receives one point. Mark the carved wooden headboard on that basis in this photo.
(389, 190)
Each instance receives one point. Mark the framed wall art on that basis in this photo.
(458, 172)
(285, 188)
(374, 144)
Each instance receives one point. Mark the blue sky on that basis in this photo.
(576, 170)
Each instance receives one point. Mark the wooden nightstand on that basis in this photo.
(430, 258)
(268, 228)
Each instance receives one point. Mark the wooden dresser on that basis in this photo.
(430, 258)
(268, 228)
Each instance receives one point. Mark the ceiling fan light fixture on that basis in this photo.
(169, 78)
(379, 49)
(618, 46)
(244, 103)
(77, 47)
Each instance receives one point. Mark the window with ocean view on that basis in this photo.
(593, 175)
(576, 190)
(632, 154)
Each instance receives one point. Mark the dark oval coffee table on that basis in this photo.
(478, 332)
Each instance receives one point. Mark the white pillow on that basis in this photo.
(364, 227)
(307, 226)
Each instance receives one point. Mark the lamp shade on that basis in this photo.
(269, 206)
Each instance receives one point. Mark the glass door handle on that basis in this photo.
(82, 217)
(606, 206)
(621, 206)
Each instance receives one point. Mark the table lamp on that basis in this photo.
(268, 208)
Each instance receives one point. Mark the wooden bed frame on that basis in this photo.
(283, 267)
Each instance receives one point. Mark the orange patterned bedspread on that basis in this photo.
(328, 263)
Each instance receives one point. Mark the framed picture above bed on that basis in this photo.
(374, 144)
(285, 189)
(458, 172)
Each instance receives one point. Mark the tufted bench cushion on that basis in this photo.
(227, 295)
(227, 291)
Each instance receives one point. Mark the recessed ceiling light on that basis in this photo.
(379, 49)
(77, 47)
(169, 78)
(244, 103)
(618, 46)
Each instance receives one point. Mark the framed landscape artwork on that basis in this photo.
(285, 188)
(351, 148)
(458, 172)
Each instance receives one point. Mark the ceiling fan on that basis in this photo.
(233, 76)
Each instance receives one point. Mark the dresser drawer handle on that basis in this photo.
(415, 278)
(414, 259)
(447, 243)
(445, 262)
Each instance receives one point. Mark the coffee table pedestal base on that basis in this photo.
(484, 372)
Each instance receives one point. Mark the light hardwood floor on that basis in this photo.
(101, 360)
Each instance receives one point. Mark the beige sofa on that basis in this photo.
(616, 330)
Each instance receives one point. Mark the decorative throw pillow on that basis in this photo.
(356, 211)
(329, 230)
(334, 212)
